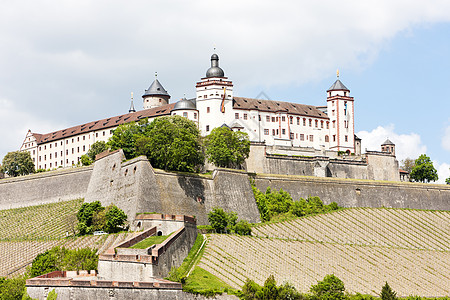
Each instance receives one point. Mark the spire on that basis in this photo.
(338, 85)
(132, 110)
(155, 88)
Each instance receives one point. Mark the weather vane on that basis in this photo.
(337, 73)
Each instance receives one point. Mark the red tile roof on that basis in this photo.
(278, 106)
(103, 124)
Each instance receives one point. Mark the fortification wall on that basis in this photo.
(361, 193)
(47, 187)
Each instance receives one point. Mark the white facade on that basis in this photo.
(329, 127)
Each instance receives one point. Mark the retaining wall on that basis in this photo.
(361, 193)
(47, 187)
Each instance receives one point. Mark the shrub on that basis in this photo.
(93, 216)
(330, 288)
(12, 288)
(243, 228)
(218, 219)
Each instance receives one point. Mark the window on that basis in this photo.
(310, 123)
(72, 151)
(84, 137)
(334, 124)
(72, 141)
(259, 118)
(39, 148)
(283, 131)
(266, 131)
(45, 147)
(291, 120)
(39, 158)
(278, 132)
(236, 115)
(84, 148)
(61, 153)
(56, 144)
(327, 138)
(67, 142)
(273, 119)
(56, 154)
(78, 149)
(78, 139)
(67, 161)
(185, 114)
(61, 143)
(61, 162)
(311, 138)
(267, 118)
(245, 116)
(302, 137)
(346, 138)
(110, 132)
(283, 119)
(333, 112)
(207, 127)
(103, 133)
(45, 166)
(34, 152)
(67, 151)
(321, 124)
(273, 131)
(50, 165)
(96, 135)
(50, 156)
(50, 146)
(208, 110)
(195, 116)
(332, 103)
(291, 136)
(298, 121)
(328, 125)
(56, 163)
(334, 138)
(316, 123)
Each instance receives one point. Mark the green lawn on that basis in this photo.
(201, 281)
(151, 240)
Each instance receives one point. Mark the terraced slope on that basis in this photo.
(363, 247)
(26, 232)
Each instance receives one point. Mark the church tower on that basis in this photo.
(340, 108)
(155, 95)
(214, 98)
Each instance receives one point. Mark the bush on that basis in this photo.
(62, 259)
(85, 160)
(330, 288)
(243, 228)
(93, 216)
(12, 288)
(270, 290)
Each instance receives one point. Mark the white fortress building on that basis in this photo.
(328, 128)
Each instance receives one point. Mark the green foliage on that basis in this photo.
(218, 219)
(275, 203)
(85, 160)
(62, 259)
(243, 228)
(151, 240)
(330, 288)
(124, 138)
(52, 295)
(387, 293)
(93, 216)
(17, 163)
(12, 288)
(227, 148)
(423, 170)
(270, 290)
(447, 181)
(172, 143)
(201, 282)
(96, 148)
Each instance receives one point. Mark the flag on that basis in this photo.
(222, 106)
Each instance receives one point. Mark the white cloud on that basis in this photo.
(446, 139)
(443, 171)
(406, 145)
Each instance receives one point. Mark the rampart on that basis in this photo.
(361, 193)
(47, 187)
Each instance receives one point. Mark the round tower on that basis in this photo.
(155, 95)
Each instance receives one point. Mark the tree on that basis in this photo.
(329, 288)
(124, 138)
(387, 293)
(18, 163)
(218, 219)
(171, 143)
(227, 148)
(96, 148)
(407, 164)
(447, 181)
(115, 219)
(424, 170)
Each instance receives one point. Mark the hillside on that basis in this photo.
(26, 232)
(364, 247)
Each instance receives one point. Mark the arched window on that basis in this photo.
(327, 139)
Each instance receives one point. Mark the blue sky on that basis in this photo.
(68, 63)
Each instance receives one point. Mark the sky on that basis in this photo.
(65, 63)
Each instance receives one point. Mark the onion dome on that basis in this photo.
(185, 104)
(215, 70)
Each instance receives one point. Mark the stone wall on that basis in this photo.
(47, 187)
(361, 193)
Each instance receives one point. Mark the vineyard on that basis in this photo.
(26, 232)
(364, 247)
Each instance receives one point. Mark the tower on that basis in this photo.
(214, 98)
(155, 95)
(388, 147)
(340, 108)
